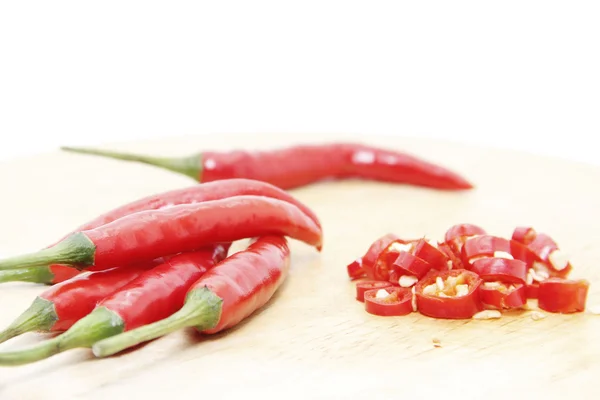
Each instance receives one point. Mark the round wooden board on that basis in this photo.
(314, 340)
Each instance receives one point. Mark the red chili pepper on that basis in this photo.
(485, 246)
(355, 269)
(150, 234)
(362, 287)
(547, 252)
(563, 296)
(455, 261)
(524, 234)
(500, 269)
(501, 296)
(454, 240)
(385, 261)
(296, 166)
(398, 302)
(226, 295)
(60, 306)
(457, 297)
(431, 254)
(411, 265)
(372, 255)
(153, 295)
(460, 231)
(532, 290)
(56, 273)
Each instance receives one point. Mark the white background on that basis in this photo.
(518, 74)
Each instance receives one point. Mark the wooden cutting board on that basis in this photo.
(314, 340)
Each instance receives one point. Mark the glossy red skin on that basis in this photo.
(355, 269)
(62, 273)
(371, 256)
(409, 264)
(542, 246)
(362, 287)
(77, 297)
(451, 255)
(389, 308)
(449, 308)
(189, 195)
(296, 166)
(487, 245)
(431, 254)
(385, 262)
(563, 296)
(494, 298)
(533, 290)
(159, 292)
(460, 230)
(524, 234)
(150, 234)
(500, 269)
(247, 280)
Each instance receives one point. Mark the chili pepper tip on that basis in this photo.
(41, 274)
(202, 310)
(40, 316)
(189, 166)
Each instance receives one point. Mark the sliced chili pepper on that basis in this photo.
(524, 234)
(226, 295)
(460, 231)
(486, 246)
(547, 252)
(431, 254)
(502, 296)
(355, 269)
(397, 302)
(150, 234)
(52, 274)
(153, 295)
(296, 166)
(500, 269)
(563, 296)
(362, 287)
(385, 262)
(411, 265)
(532, 290)
(60, 306)
(452, 294)
(455, 261)
(370, 258)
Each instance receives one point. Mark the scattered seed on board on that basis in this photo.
(436, 342)
(488, 314)
(536, 315)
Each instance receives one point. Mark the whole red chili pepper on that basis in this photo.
(56, 273)
(227, 294)
(152, 296)
(150, 234)
(60, 306)
(296, 166)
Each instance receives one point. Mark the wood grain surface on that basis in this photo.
(313, 340)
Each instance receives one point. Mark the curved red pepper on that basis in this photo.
(397, 303)
(455, 261)
(355, 269)
(501, 297)
(563, 296)
(454, 240)
(459, 231)
(542, 247)
(524, 234)
(384, 265)
(488, 245)
(362, 287)
(432, 255)
(500, 269)
(449, 307)
(373, 254)
(532, 290)
(409, 264)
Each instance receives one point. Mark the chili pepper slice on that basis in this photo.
(532, 290)
(362, 287)
(411, 265)
(500, 269)
(547, 252)
(226, 295)
(565, 296)
(524, 234)
(460, 231)
(431, 254)
(454, 259)
(153, 295)
(501, 296)
(355, 269)
(296, 166)
(150, 234)
(60, 306)
(396, 301)
(370, 258)
(385, 262)
(452, 294)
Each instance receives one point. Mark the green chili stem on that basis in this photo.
(41, 274)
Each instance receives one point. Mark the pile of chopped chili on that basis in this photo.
(466, 275)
